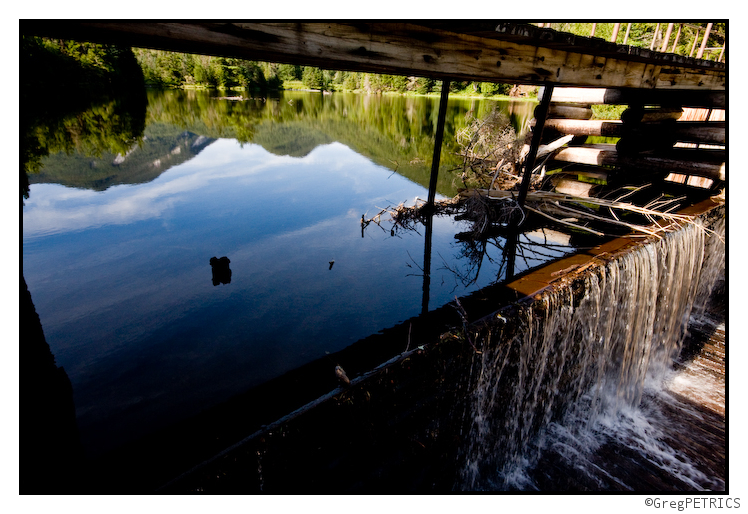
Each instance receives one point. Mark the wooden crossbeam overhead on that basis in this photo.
(484, 51)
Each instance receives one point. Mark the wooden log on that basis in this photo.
(593, 177)
(693, 46)
(586, 95)
(710, 164)
(616, 28)
(607, 128)
(677, 38)
(645, 142)
(570, 111)
(574, 187)
(703, 42)
(544, 150)
(712, 132)
(666, 39)
(649, 115)
(654, 38)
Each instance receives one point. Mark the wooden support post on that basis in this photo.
(614, 36)
(666, 39)
(722, 53)
(677, 38)
(628, 30)
(693, 46)
(654, 38)
(438, 142)
(592, 34)
(703, 41)
(540, 115)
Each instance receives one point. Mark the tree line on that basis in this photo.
(174, 69)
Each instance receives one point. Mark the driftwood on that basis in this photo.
(544, 150)
(566, 208)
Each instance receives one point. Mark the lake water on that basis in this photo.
(117, 246)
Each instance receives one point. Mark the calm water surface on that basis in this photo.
(117, 247)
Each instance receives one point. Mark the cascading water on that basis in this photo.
(569, 373)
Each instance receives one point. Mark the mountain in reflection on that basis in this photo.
(296, 139)
(392, 131)
(162, 147)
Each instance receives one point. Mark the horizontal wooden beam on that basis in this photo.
(402, 49)
(682, 98)
(686, 131)
(703, 163)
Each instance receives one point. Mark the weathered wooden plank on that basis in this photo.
(397, 48)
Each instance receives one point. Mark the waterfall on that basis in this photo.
(574, 366)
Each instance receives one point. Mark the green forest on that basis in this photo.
(172, 69)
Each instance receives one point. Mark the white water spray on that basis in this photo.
(575, 369)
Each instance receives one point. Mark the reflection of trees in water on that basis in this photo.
(503, 252)
(97, 103)
(494, 236)
(394, 131)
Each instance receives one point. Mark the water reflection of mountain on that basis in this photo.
(393, 132)
(296, 139)
(163, 146)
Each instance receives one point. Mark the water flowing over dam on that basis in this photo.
(590, 362)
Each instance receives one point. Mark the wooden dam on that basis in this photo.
(420, 413)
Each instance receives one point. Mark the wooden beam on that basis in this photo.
(704, 41)
(715, 99)
(586, 127)
(614, 36)
(628, 30)
(540, 115)
(702, 163)
(677, 38)
(684, 131)
(439, 136)
(654, 38)
(513, 53)
(666, 39)
(693, 46)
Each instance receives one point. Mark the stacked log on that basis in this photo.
(661, 137)
(573, 112)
